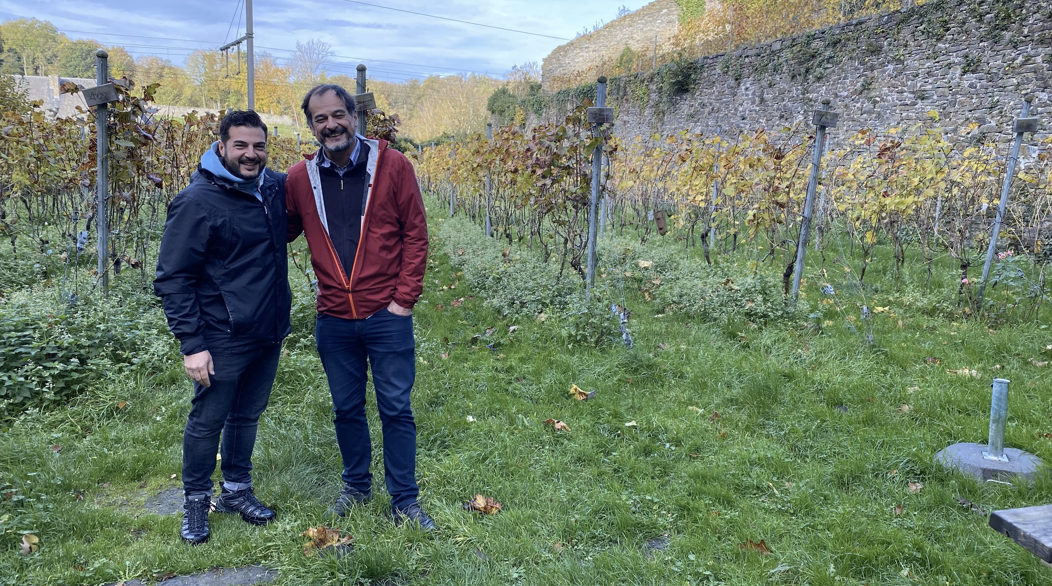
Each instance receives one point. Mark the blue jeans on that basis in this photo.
(385, 341)
(231, 406)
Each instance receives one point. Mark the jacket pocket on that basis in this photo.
(233, 324)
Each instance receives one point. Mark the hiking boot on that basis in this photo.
(245, 503)
(348, 499)
(413, 514)
(195, 519)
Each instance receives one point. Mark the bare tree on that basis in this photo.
(308, 60)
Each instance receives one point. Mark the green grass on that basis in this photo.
(809, 453)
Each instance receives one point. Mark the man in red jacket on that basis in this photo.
(360, 207)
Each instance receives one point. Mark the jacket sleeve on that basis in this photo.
(414, 236)
(295, 226)
(180, 265)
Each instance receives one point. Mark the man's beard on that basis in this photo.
(234, 166)
(348, 139)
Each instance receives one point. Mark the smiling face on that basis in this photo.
(244, 153)
(333, 125)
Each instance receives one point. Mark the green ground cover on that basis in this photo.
(712, 435)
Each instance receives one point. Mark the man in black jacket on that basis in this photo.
(222, 275)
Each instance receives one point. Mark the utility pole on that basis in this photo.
(250, 60)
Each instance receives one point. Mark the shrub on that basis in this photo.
(50, 352)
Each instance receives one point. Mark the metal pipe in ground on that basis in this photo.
(998, 416)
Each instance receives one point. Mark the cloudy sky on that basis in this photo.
(394, 45)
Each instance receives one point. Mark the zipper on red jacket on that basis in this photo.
(356, 269)
(343, 275)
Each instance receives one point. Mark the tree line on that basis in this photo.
(432, 107)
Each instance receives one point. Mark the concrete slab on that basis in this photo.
(246, 576)
(168, 502)
(968, 458)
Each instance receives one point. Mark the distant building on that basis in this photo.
(46, 89)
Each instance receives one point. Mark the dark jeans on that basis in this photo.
(231, 406)
(385, 340)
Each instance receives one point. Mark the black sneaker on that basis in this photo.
(412, 513)
(245, 503)
(195, 519)
(348, 499)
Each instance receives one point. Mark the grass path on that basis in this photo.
(739, 435)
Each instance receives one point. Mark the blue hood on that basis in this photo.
(211, 162)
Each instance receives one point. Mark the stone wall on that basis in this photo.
(636, 30)
(965, 61)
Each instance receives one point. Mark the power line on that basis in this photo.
(231, 25)
(135, 36)
(500, 28)
(383, 61)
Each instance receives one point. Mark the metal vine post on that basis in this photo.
(1022, 124)
(823, 118)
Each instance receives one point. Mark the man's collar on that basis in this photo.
(324, 161)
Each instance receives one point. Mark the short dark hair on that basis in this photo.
(240, 118)
(348, 99)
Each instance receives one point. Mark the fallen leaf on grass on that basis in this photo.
(1040, 364)
(1044, 435)
(321, 538)
(122, 404)
(511, 329)
(932, 360)
(172, 477)
(445, 356)
(693, 408)
(470, 419)
(751, 546)
(483, 504)
(630, 424)
(30, 543)
(898, 510)
(579, 394)
(715, 416)
(915, 487)
(904, 408)
(56, 448)
(646, 264)
(439, 306)
(457, 302)
(558, 425)
(912, 390)
(663, 346)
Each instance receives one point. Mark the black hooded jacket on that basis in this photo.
(222, 273)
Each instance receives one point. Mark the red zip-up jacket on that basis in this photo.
(392, 249)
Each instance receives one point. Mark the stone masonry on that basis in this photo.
(965, 61)
(636, 30)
